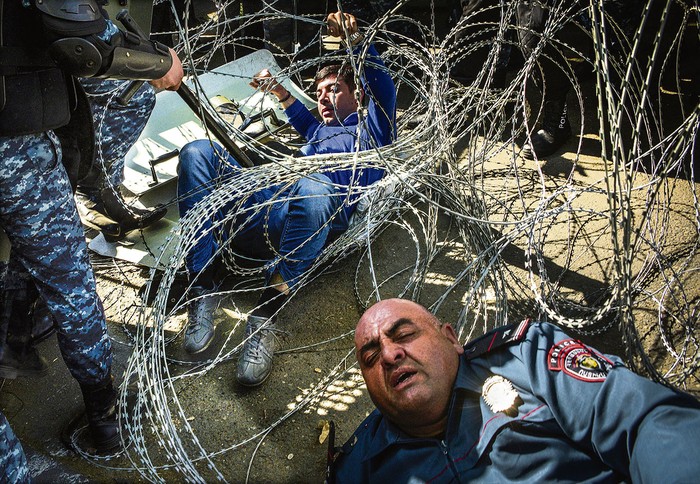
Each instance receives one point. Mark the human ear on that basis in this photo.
(448, 331)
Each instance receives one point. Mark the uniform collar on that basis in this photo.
(388, 434)
(466, 379)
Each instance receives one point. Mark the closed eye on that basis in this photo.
(370, 358)
(405, 336)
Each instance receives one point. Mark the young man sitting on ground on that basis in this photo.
(306, 216)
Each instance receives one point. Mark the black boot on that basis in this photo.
(19, 358)
(101, 411)
(555, 131)
(93, 214)
(22, 362)
(43, 324)
(127, 216)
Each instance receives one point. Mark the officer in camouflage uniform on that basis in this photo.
(37, 210)
(100, 205)
(48, 240)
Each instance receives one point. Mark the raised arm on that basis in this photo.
(301, 119)
(377, 83)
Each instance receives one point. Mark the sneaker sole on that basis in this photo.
(206, 345)
(252, 385)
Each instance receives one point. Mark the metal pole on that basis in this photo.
(190, 98)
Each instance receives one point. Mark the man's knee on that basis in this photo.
(196, 158)
(315, 185)
(315, 195)
(194, 150)
(205, 156)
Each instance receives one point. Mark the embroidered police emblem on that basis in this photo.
(577, 360)
(500, 395)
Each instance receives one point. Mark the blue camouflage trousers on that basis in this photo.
(38, 214)
(117, 128)
(13, 462)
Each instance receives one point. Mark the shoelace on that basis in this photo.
(254, 349)
(192, 328)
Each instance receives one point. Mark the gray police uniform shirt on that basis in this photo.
(532, 404)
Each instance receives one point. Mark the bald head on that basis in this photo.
(409, 361)
(389, 308)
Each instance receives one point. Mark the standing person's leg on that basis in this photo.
(475, 41)
(532, 16)
(13, 461)
(308, 217)
(38, 213)
(117, 128)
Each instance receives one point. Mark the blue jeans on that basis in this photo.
(289, 234)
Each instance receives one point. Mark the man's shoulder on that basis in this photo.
(497, 339)
(363, 434)
(348, 457)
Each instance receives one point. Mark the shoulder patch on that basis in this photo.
(579, 361)
(498, 338)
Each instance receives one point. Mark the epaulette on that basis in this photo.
(498, 338)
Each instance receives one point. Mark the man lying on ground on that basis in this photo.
(523, 403)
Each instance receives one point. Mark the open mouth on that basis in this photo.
(402, 377)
